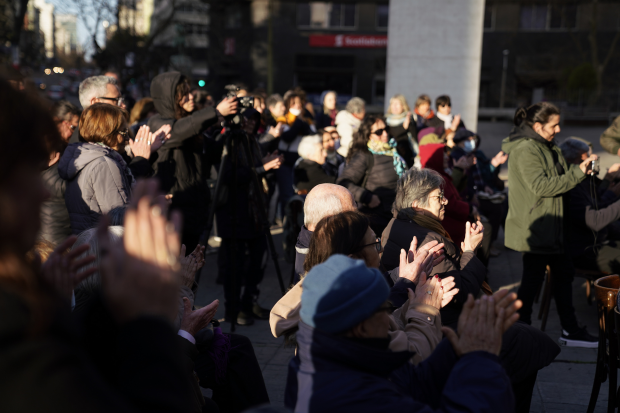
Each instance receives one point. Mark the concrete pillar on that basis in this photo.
(435, 47)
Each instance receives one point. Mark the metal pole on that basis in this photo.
(502, 94)
(270, 48)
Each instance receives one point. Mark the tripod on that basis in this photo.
(235, 140)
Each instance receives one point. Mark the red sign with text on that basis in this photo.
(347, 41)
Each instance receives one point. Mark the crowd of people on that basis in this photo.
(104, 227)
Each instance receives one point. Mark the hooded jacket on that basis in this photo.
(55, 224)
(181, 166)
(457, 210)
(336, 374)
(538, 178)
(98, 181)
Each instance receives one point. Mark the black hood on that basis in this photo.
(163, 89)
(524, 131)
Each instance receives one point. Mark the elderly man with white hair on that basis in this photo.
(309, 171)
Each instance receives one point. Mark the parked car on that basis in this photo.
(56, 92)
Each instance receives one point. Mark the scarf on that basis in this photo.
(119, 160)
(427, 115)
(332, 115)
(332, 157)
(432, 224)
(447, 119)
(395, 120)
(389, 149)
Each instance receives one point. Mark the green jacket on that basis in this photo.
(535, 203)
(610, 139)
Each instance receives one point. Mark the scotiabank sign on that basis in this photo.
(344, 40)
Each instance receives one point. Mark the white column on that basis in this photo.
(435, 47)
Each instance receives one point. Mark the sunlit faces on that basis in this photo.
(378, 132)
(549, 129)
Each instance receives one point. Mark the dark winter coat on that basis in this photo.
(336, 374)
(150, 377)
(55, 224)
(467, 270)
(97, 182)
(333, 169)
(181, 167)
(379, 175)
(538, 178)
(308, 174)
(301, 250)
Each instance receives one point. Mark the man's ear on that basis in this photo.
(93, 100)
(359, 331)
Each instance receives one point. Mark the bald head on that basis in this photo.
(326, 200)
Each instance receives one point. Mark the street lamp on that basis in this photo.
(502, 93)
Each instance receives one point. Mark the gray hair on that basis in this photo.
(416, 185)
(317, 208)
(273, 99)
(572, 149)
(308, 144)
(93, 87)
(356, 105)
(92, 284)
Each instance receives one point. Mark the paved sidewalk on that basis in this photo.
(563, 386)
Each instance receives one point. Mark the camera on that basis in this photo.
(596, 167)
(245, 102)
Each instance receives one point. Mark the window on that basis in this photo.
(548, 17)
(534, 17)
(323, 15)
(562, 16)
(489, 17)
(232, 18)
(383, 12)
(191, 28)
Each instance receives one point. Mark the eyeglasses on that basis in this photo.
(439, 197)
(377, 245)
(124, 133)
(72, 127)
(378, 132)
(119, 100)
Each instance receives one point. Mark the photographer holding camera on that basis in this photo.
(182, 166)
(539, 178)
(240, 223)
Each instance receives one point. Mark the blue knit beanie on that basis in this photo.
(341, 293)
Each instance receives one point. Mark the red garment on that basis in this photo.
(457, 210)
(428, 114)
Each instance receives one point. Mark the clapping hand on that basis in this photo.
(63, 271)
(433, 291)
(190, 264)
(473, 236)
(499, 159)
(418, 260)
(194, 321)
(139, 276)
(160, 136)
(272, 161)
(480, 328)
(455, 123)
(507, 301)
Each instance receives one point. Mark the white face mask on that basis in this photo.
(469, 146)
(295, 112)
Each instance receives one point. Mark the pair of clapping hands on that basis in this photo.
(416, 264)
(147, 142)
(482, 322)
(140, 276)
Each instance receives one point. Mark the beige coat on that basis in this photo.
(418, 329)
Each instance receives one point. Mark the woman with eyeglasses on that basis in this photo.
(373, 166)
(98, 179)
(416, 326)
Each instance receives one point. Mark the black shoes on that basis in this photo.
(260, 312)
(581, 338)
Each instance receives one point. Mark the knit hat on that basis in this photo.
(462, 134)
(341, 293)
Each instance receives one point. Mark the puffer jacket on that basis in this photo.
(181, 166)
(610, 139)
(55, 224)
(538, 178)
(97, 182)
(381, 178)
(337, 374)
